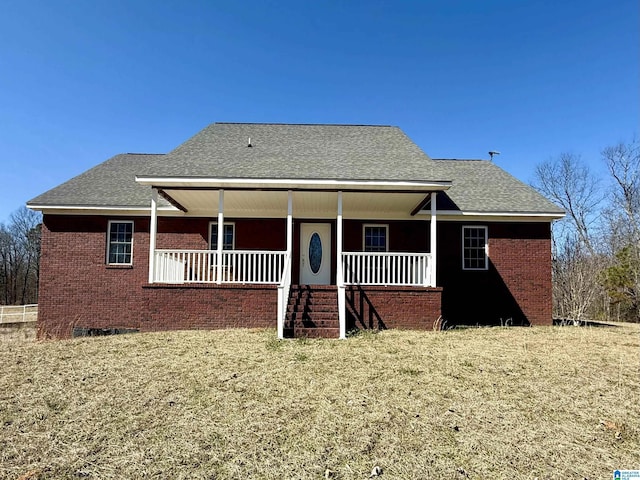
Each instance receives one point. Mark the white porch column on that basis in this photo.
(289, 223)
(342, 311)
(153, 230)
(220, 236)
(433, 246)
(283, 288)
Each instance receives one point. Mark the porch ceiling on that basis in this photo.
(306, 204)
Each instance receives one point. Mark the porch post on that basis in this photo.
(342, 313)
(153, 230)
(289, 222)
(220, 236)
(433, 246)
(283, 288)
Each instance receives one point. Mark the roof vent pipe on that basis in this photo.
(249, 143)
(491, 154)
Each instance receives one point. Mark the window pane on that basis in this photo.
(227, 239)
(473, 248)
(375, 239)
(120, 242)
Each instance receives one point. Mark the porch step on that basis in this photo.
(317, 332)
(312, 311)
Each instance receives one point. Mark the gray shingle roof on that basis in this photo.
(482, 186)
(337, 152)
(281, 151)
(112, 183)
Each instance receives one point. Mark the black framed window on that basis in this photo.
(474, 248)
(120, 243)
(228, 236)
(376, 238)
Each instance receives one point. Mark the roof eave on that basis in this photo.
(496, 215)
(293, 183)
(99, 209)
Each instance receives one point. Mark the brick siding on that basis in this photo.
(379, 307)
(516, 286)
(77, 288)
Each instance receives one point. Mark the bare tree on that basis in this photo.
(20, 257)
(622, 279)
(577, 287)
(577, 264)
(568, 181)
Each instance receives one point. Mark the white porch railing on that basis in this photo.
(200, 266)
(386, 268)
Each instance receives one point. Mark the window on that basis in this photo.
(120, 243)
(228, 236)
(375, 238)
(474, 248)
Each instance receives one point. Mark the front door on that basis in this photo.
(315, 253)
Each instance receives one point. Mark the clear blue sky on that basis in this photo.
(81, 81)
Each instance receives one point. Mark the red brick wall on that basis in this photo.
(517, 284)
(77, 288)
(404, 235)
(378, 307)
(208, 306)
(193, 233)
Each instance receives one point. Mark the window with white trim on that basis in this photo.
(120, 243)
(376, 238)
(228, 236)
(475, 248)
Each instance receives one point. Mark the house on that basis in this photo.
(315, 229)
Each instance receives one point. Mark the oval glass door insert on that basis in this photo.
(315, 253)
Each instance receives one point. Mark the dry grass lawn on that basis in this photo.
(557, 402)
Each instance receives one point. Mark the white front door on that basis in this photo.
(315, 253)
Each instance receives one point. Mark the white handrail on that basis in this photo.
(200, 266)
(284, 288)
(386, 268)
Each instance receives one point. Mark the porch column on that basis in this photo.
(342, 313)
(289, 223)
(153, 230)
(220, 236)
(433, 246)
(283, 288)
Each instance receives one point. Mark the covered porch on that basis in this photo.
(328, 233)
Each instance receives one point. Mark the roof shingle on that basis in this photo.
(285, 151)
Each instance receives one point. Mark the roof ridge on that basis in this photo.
(306, 124)
(139, 153)
(461, 159)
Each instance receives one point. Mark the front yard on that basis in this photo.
(543, 402)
